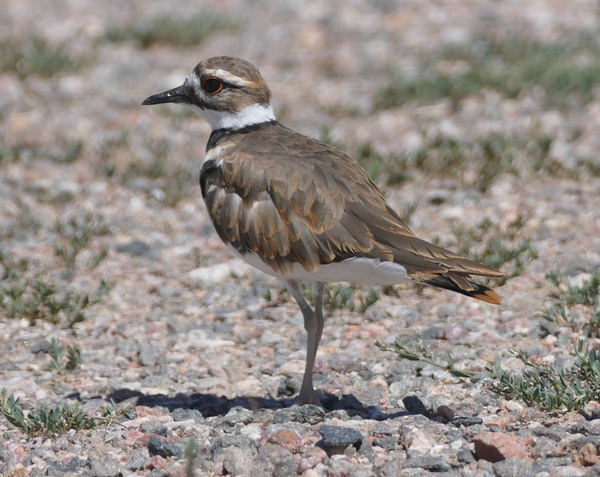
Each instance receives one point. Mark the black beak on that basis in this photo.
(175, 95)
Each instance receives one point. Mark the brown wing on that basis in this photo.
(289, 205)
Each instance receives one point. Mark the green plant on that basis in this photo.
(53, 421)
(339, 295)
(168, 30)
(35, 56)
(61, 362)
(486, 243)
(549, 387)
(585, 318)
(191, 454)
(500, 247)
(336, 296)
(38, 299)
(164, 181)
(419, 352)
(565, 71)
(74, 235)
(587, 293)
(9, 154)
(72, 152)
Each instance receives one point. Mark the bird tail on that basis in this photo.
(461, 284)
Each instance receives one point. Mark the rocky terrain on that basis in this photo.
(126, 324)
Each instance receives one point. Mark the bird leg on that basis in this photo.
(313, 324)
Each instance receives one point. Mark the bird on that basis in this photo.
(302, 210)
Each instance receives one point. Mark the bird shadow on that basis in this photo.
(211, 405)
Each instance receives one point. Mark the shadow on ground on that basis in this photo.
(210, 405)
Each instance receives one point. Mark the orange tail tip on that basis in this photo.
(489, 296)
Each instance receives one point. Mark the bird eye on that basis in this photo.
(212, 85)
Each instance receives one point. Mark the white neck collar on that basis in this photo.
(253, 114)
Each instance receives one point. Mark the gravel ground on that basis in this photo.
(200, 346)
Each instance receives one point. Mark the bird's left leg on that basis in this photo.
(313, 324)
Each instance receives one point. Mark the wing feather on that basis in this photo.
(312, 215)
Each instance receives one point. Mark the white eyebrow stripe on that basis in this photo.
(228, 77)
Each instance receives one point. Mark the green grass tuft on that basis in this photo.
(419, 352)
(169, 30)
(54, 421)
(584, 318)
(478, 162)
(39, 299)
(35, 56)
(59, 361)
(551, 388)
(565, 72)
(74, 235)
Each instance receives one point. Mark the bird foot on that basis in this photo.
(308, 397)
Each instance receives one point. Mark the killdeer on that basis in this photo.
(301, 210)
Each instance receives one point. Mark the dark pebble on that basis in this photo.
(435, 332)
(153, 427)
(135, 248)
(163, 447)
(40, 346)
(122, 394)
(413, 467)
(415, 405)
(466, 421)
(336, 438)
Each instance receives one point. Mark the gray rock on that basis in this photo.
(136, 460)
(234, 460)
(146, 354)
(568, 471)
(513, 468)
(466, 456)
(432, 464)
(337, 438)
(307, 414)
(237, 415)
(181, 414)
(74, 466)
(387, 443)
(285, 467)
(393, 468)
(546, 465)
(104, 467)
(282, 460)
(164, 448)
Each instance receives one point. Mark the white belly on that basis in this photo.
(364, 271)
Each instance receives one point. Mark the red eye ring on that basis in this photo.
(212, 85)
